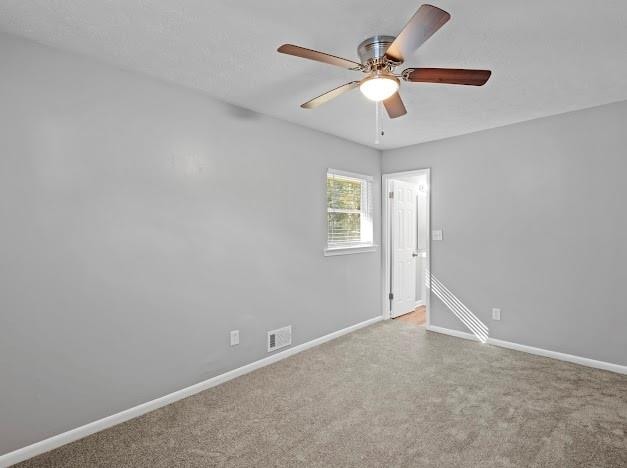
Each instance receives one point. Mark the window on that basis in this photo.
(349, 213)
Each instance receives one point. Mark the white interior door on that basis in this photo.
(404, 235)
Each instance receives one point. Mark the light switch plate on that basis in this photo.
(496, 314)
(234, 337)
(436, 235)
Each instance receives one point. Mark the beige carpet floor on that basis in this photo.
(389, 395)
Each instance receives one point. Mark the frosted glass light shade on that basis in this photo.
(379, 88)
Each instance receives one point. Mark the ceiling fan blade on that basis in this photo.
(447, 75)
(425, 22)
(310, 54)
(394, 106)
(315, 102)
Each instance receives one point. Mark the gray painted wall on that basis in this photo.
(140, 222)
(534, 222)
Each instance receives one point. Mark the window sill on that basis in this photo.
(331, 251)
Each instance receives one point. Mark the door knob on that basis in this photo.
(414, 254)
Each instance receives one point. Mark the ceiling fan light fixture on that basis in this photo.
(379, 87)
(380, 55)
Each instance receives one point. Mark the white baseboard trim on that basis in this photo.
(83, 431)
(451, 332)
(608, 366)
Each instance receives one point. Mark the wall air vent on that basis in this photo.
(279, 338)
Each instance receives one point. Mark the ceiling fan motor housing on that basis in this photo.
(372, 52)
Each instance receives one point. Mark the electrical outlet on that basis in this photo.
(436, 235)
(234, 337)
(496, 314)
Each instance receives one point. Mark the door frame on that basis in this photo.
(385, 239)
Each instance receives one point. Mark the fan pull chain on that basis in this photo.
(377, 117)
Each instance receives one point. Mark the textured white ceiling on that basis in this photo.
(547, 57)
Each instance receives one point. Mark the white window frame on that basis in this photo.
(366, 244)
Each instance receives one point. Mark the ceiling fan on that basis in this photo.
(380, 55)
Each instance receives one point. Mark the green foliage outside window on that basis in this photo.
(344, 209)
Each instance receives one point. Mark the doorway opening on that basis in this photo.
(406, 246)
